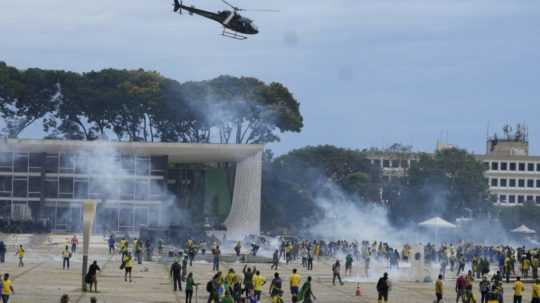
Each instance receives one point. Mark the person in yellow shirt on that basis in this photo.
(66, 255)
(294, 280)
(128, 266)
(258, 283)
(518, 290)
(525, 265)
(439, 289)
(536, 292)
(20, 253)
(7, 288)
(229, 278)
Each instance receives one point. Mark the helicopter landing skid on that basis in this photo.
(232, 34)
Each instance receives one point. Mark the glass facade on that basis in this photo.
(52, 187)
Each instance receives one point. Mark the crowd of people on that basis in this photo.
(481, 272)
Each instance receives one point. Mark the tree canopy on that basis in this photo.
(139, 105)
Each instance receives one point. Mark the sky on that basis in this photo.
(367, 73)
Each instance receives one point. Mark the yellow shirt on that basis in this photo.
(230, 278)
(258, 282)
(295, 280)
(6, 289)
(66, 254)
(439, 287)
(518, 288)
(128, 262)
(536, 290)
(20, 252)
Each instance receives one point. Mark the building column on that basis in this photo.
(245, 215)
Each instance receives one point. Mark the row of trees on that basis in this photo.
(138, 105)
(449, 184)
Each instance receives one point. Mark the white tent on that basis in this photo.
(523, 229)
(437, 223)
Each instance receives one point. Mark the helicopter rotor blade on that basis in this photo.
(232, 6)
(261, 10)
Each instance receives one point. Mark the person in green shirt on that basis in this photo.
(190, 283)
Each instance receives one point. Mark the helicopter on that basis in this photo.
(234, 25)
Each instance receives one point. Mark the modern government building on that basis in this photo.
(134, 183)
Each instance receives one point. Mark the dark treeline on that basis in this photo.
(138, 105)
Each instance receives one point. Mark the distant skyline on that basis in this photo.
(368, 73)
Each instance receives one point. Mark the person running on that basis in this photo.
(535, 294)
(190, 284)
(176, 275)
(276, 291)
(383, 288)
(306, 294)
(294, 281)
(128, 266)
(518, 288)
(20, 253)
(439, 286)
(66, 255)
(7, 288)
(258, 283)
(336, 269)
(91, 276)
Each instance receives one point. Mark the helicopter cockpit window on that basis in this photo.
(254, 26)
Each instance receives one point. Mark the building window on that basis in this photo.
(395, 163)
(67, 163)
(21, 163)
(142, 166)
(512, 182)
(512, 166)
(5, 186)
(494, 182)
(538, 167)
(521, 183)
(538, 199)
(521, 199)
(503, 182)
(512, 199)
(502, 198)
(537, 183)
(81, 188)
(51, 164)
(494, 165)
(6, 160)
(66, 185)
(530, 199)
(486, 165)
(386, 163)
(377, 162)
(504, 166)
(34, 187)
(405, 164)
(521, 166)
(20, 187)
(530, 183)
(51, 186)
(530, 166)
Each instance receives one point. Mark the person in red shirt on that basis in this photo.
(460, 288)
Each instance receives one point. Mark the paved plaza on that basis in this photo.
(43, 280)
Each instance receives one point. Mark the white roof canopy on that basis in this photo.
(177, 152)
(437, 222)
(523, 229)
